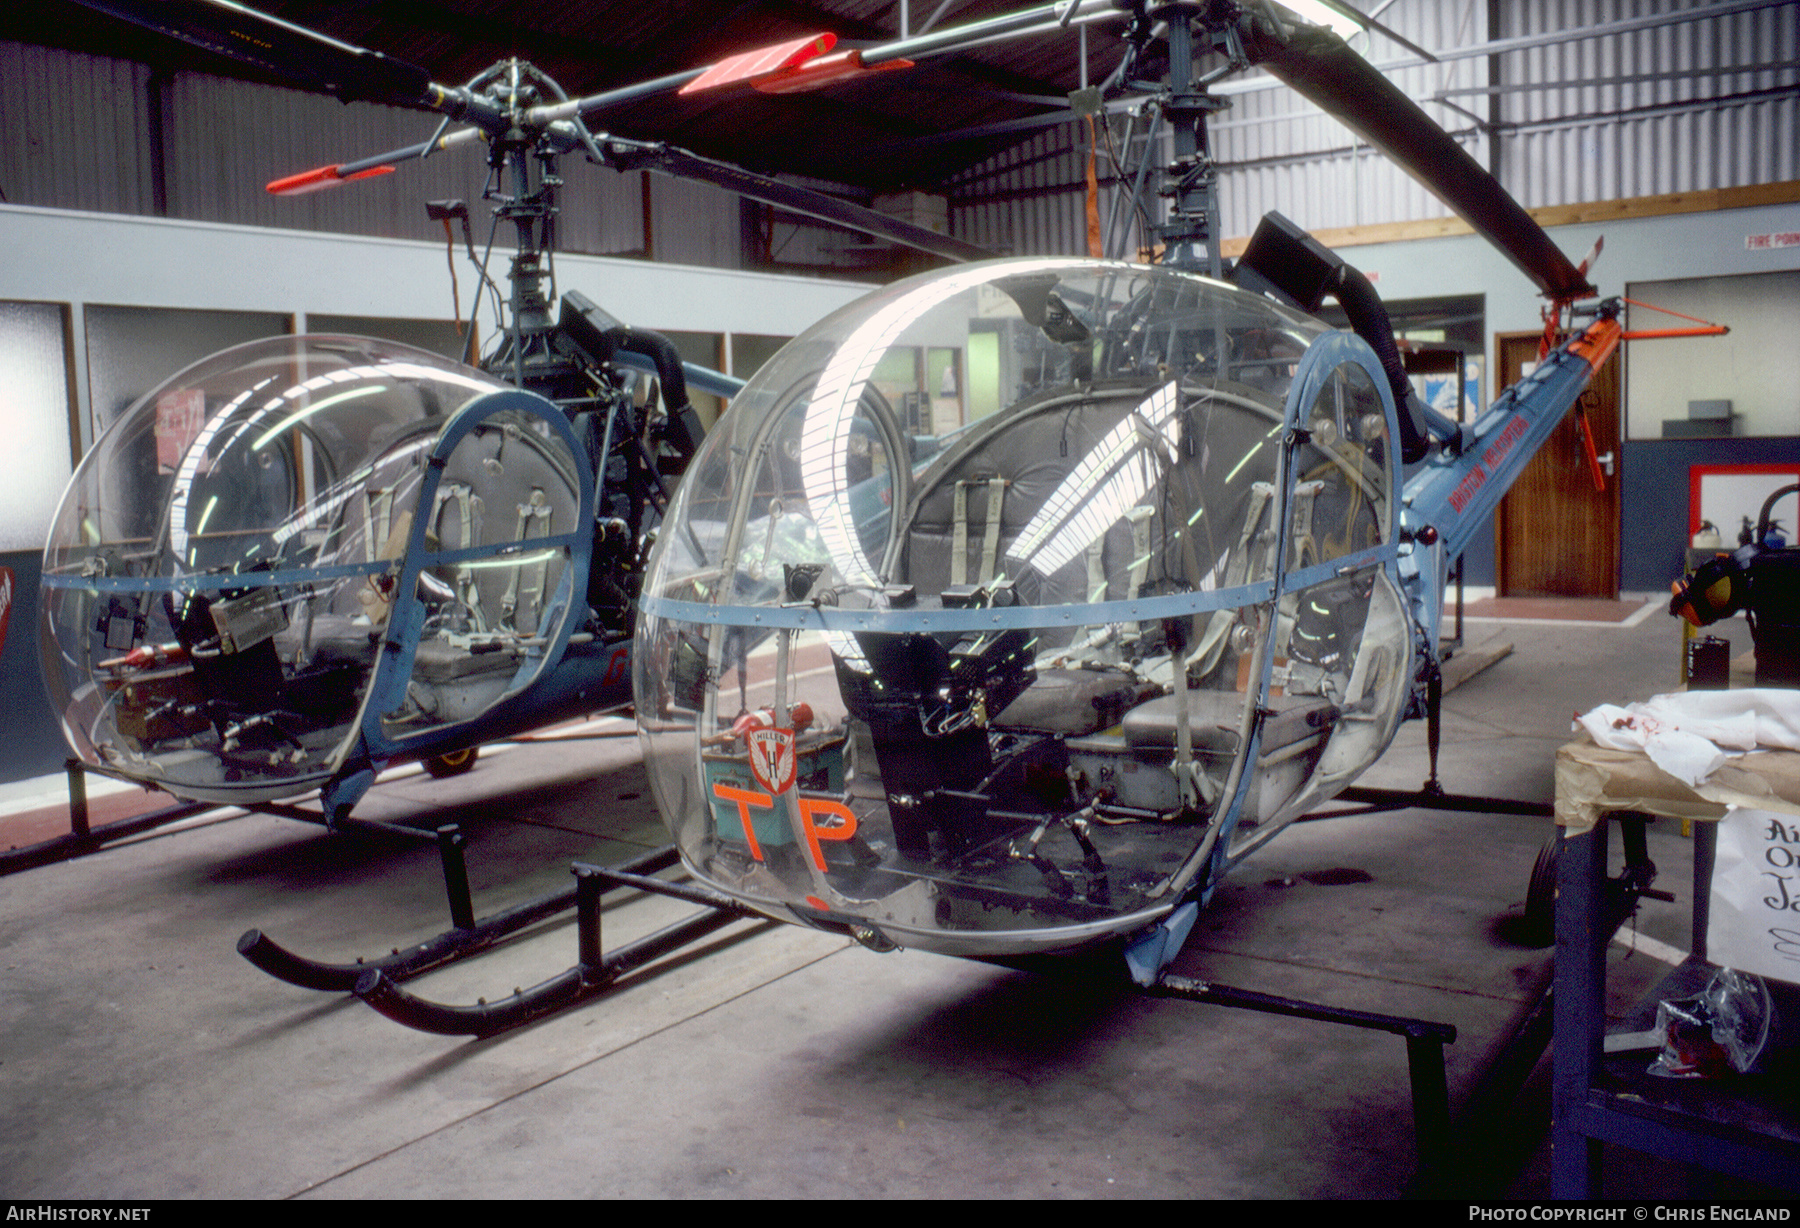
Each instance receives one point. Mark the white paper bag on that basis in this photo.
(1754, 924)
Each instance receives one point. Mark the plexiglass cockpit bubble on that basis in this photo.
(1008, 605)
(226, 565)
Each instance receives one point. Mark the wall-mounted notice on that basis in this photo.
(179, 417)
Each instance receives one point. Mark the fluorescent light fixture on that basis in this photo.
(300, 415)
(515, 560)
(1117, 472)
(1323, 15)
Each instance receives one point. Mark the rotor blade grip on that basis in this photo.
(593, 104)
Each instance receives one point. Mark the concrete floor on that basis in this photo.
(140, 1057)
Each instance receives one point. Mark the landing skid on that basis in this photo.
(376, 981)
(83, 838)
(594, 972)
(1443, 1147)
(466, 936)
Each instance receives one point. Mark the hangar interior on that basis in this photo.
(146, 1060)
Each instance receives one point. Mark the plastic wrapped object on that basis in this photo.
(1723, 1028)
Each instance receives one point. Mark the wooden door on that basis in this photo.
(1555, 535)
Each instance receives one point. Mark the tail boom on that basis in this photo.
(1451, 496)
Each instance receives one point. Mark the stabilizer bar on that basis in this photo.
(448, 947)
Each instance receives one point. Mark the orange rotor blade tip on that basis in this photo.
(761, 63)
(319, 180)
(1588, 261)
(306, 181)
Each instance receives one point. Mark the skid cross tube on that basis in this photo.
(448, 947)
(83, 838)
(1425, 1041)
(1366, 800)
(593, 973)
(450, 841)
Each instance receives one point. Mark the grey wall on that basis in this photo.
(92, 132)
(32, 744)
(1756, 367)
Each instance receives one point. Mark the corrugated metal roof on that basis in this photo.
(857, 132)
(1699, 95)
(1584, 113)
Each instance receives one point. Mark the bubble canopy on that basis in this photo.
(1008, 606)
(299, 542)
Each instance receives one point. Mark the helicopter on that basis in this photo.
(306, 558)
(1030, 688)
(1036, 693)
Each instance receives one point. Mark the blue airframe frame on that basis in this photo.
(214, 583)
(1322, 359)
(393, 667)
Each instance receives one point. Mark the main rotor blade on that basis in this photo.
(670, 160)
(297, 55)
(1319, 65)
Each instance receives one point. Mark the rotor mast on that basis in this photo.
(525, 164)
(1190, 234)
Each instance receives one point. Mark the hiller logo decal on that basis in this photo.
(772, 759)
